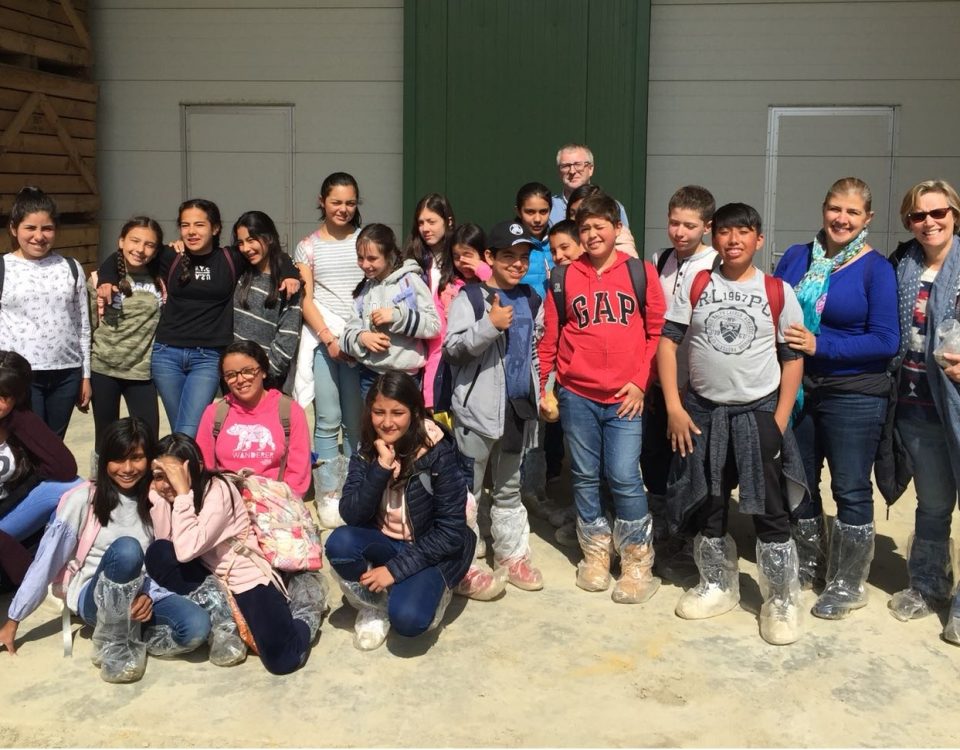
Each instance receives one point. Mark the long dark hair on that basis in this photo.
(400, 387)
(340, 179)
(260, 227)
(141, 222)
(213, 216)
(417, 249)
(385, 241)
(120, 440)
(32, 200)
(470, 235)
(15, 378)
(185, 448)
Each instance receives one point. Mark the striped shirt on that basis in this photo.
(277, 330)
(335, 275)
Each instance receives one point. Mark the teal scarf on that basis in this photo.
(813, 287)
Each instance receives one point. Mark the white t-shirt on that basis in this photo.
(335, 276)
(671, 280)
(731, 339)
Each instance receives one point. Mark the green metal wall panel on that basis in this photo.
(498, 85)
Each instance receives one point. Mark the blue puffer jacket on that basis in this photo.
(437, 515)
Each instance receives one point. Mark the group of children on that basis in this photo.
(464, 354)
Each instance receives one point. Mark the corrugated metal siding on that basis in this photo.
(716, 67)
(339, 64)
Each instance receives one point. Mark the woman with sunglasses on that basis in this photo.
(251, 433)
(848, 294)
(928, 402)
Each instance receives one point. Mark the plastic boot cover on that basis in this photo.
(370, 628)
(160, 642)
(441, 609)
(481, 584)
(226, 647)
(309, 599)
(522, 573)
(778, 568)
(328, 479)
(358, 595)
(810, 534)
(951, 631)
(118, 650)
(510, 530)
(931, 580)
(596, 543)
(719, 588)
(481, 547)
(851, 552)
(634, 542)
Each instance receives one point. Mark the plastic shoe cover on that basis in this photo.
(481, 547)
(441, 609)
(908, 604)
(778, 567)
(118, 650)
(482, 585)
(309, 599)
(851, 552)
(510, 529)
(160, 642)
(562, 516)
(634, 541)
(719, 588)
(370, 628)
(328, 479)
(951, 631)
(227, 649)
(521, 573)
(358, 595)
(596, 543)
(810, 534)
(566, 535)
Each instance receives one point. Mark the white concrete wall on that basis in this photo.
(716, 67)
(340, 64)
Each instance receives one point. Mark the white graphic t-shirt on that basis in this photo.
(732, 354)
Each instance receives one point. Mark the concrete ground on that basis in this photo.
(559, 667)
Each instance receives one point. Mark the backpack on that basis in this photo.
(662, 260)
(226, 255)
(771, 284)
(638, 278)
(443, 380)
(285, 530)
(86, 536)
(73, 264)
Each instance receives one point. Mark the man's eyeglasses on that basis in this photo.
(246, 373)
(574, 166)
(915, 217)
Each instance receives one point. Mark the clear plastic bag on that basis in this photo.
(328, 480)
(510, 529)
(161, 643)
(719, 588)
(309, 599)
(633, 540)
(482, 584)
(118, 650)
(778, 568)
(931, 580)
(951, 631)
(851, 552)
(226, 647)
(810, 534)
(947, 341)
(596, 543)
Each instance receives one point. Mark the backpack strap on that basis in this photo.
(474, 293)
(638, 277)
(284, 410)
(533, 299)
(558, 278)
(700, 282)
(219, 417)
(233, 269)
(662, 259)
(774, 289)
(173, 267)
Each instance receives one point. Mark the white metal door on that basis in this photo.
(241, 158)
(808, 149)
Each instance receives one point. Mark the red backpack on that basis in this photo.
(771, 284)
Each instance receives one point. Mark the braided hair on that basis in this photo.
(142, 222)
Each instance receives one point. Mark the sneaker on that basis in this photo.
(370, 629)
(562, 516)
(482, 585)
(538, 507)
(522, 574)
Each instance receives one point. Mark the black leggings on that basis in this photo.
(774, 524)
(141, 398)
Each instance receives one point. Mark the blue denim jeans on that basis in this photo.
(187, 380)
(123, 562)
(413, 602)
(933, 477)
(33, 512)
(337, 404)
(843, 428)
(597, 437)
(53, 394)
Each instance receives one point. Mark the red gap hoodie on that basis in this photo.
(605, 343)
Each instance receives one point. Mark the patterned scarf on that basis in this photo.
(812, 289)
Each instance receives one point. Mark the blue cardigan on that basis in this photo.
(437, 516)
(859, 330)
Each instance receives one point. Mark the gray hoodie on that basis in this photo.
(415, 319)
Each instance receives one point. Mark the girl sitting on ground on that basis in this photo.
(406, 544)
(109, 590)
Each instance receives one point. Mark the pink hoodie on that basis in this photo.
(252, 438)
(210, 533)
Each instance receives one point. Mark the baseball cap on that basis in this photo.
(508, 234)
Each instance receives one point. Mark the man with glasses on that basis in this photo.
(575, 164)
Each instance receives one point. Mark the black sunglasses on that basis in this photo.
(915, 217)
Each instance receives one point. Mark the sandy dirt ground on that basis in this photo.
(559, 667)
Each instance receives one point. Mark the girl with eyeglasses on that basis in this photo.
(928, 395)
(848, 295)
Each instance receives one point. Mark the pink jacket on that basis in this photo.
(253, 439)
(209, 534)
